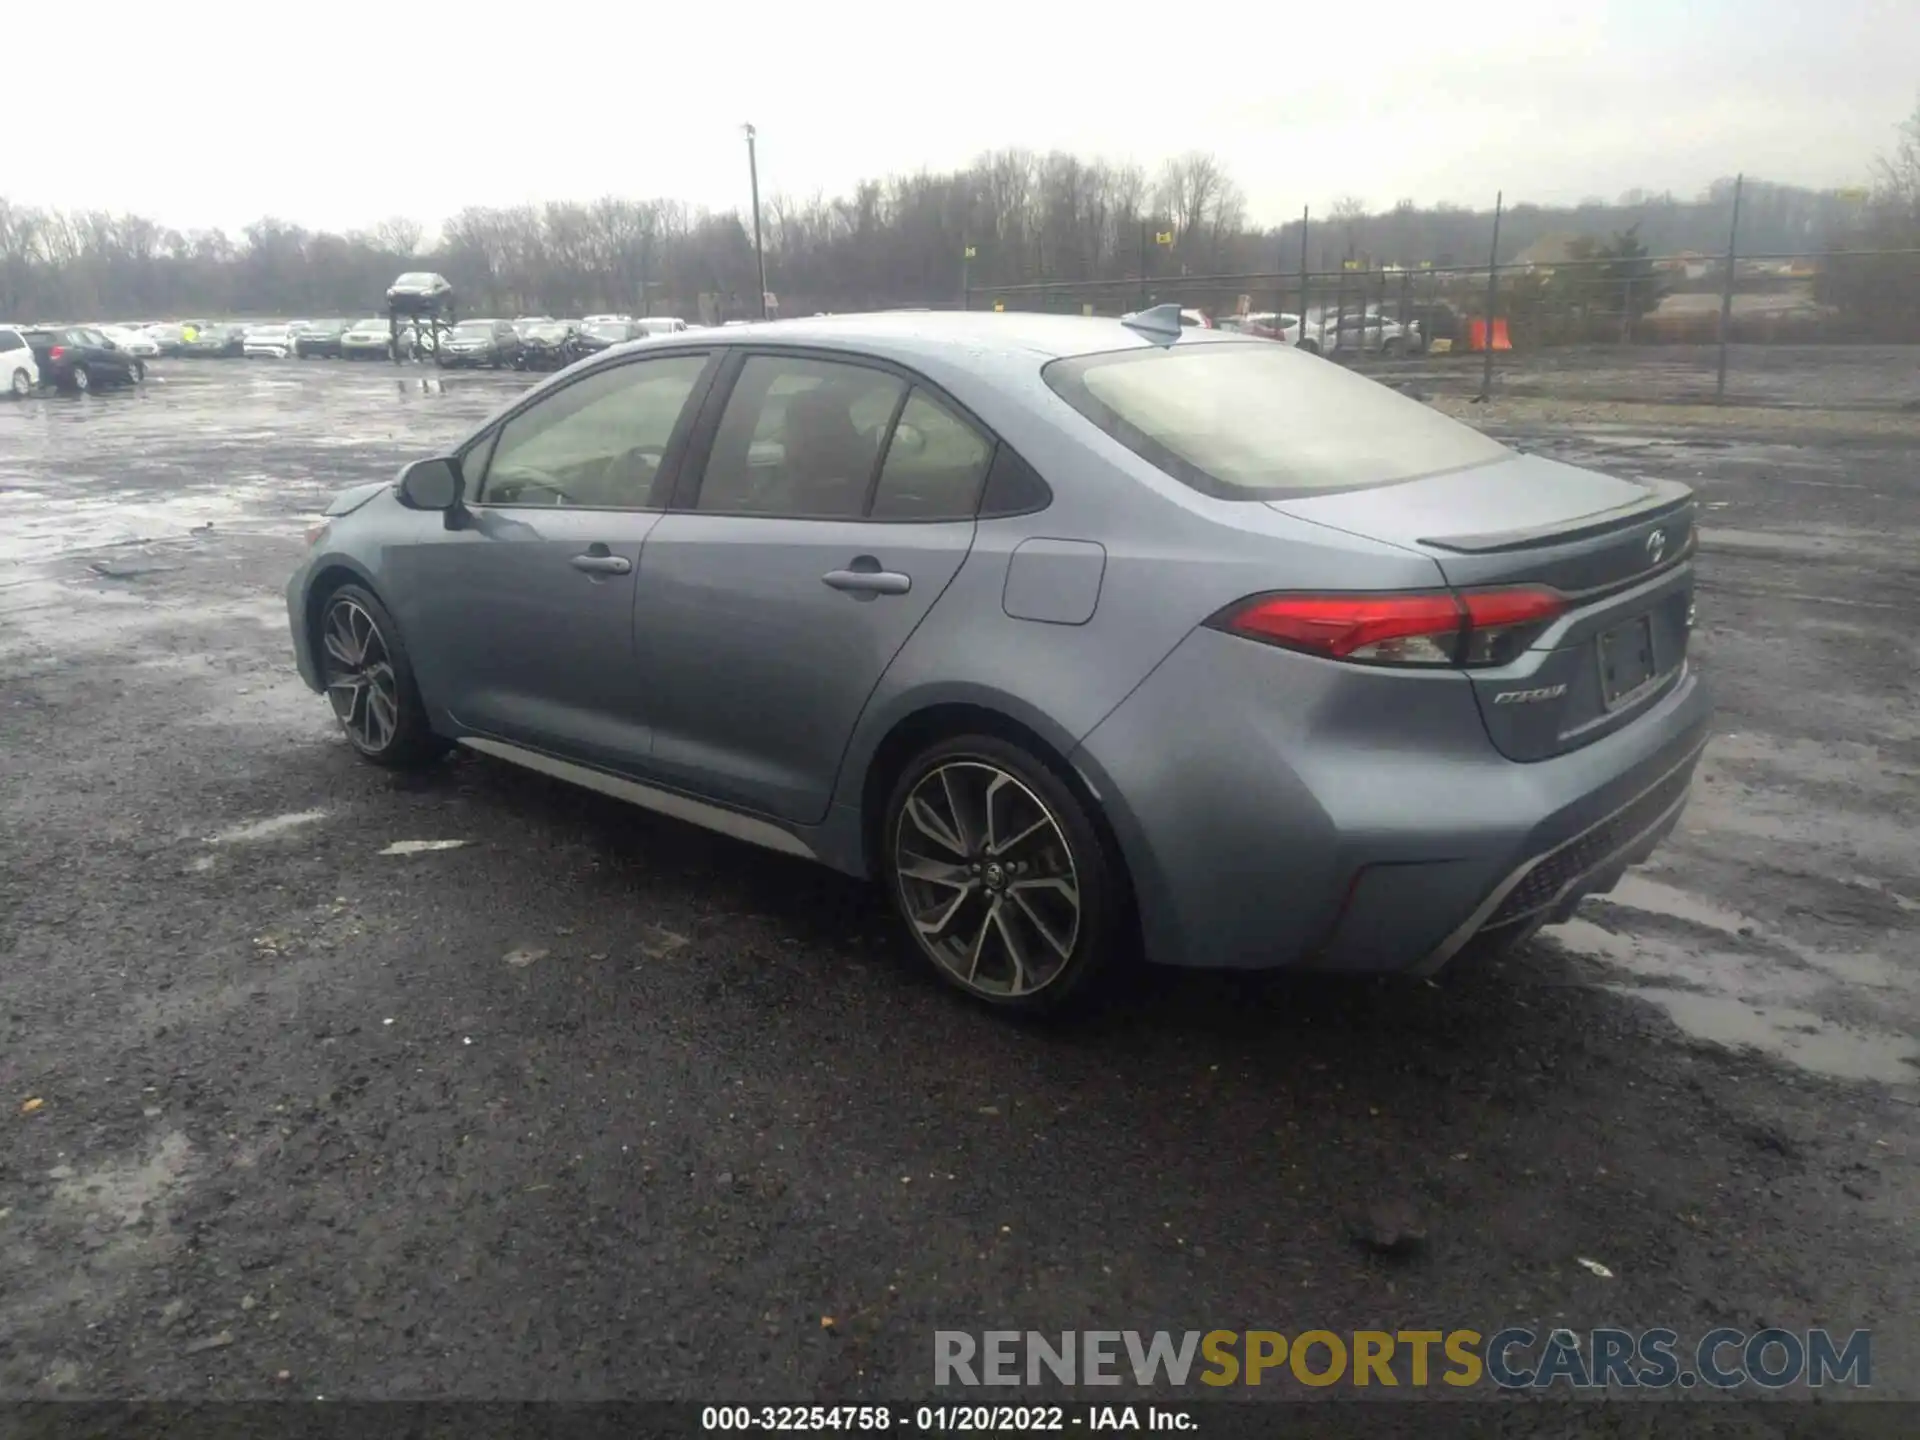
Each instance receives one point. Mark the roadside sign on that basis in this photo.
(1163, 237)
(969, 253)
(1853, 192)
(1349, 264)
(999, 304)
(1086, 307)
(1426, 264)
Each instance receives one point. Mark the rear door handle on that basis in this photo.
(601, 563)
(869, 582)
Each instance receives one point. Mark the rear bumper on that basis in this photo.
(1277, 811)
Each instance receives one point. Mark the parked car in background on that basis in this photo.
(222, 340)
(1441, 686)
(1364, 334)
(369, 339)
(661, 325)
(597, 335)
(548, 345)
(420, 292)
(524, 323)
(19, 369)
(173, 336)
(82, 358)
(480, 342)
(134, 341)
(275, 342)
(606, 319)
(319, 339)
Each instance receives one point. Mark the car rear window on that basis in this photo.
(1258, 421)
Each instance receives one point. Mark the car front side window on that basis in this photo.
(800, 437)
(597, 443)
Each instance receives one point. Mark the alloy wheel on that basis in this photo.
(987, 879)
(82, 380)
(22, 384)
(359, 673)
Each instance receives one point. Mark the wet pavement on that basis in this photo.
(475, 1085)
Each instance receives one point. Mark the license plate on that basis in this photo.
(1626, 660)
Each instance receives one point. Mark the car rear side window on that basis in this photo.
(800, 438)
(597, 443)
(1256, 420)
(935, 465)
(11, 341)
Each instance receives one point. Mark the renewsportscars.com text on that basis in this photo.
(1511, 1359)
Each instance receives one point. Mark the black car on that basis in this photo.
(219, 341)
(479, 342)
(602, 333)
(320, 338)
(421, 292)
(78, 357)
(549, 345)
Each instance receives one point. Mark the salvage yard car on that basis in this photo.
(547, 344)
(1076, 634)
(80, 357)
(319, 338)
(370, 339)
(480, 342)
(19, 370)
(273, 341)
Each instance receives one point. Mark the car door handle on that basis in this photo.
(602, 564)
(869, 582)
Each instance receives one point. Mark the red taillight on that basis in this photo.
(1476, 627)
(56, 352)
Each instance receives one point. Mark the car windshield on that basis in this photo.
(414, 279)
(377, 323)
(1250, 421)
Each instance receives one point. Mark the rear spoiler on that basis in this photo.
(1662, 497)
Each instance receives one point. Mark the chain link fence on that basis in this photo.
(1819, 328)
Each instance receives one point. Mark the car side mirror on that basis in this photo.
(433, 485)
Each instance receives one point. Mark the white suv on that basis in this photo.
(19, 371)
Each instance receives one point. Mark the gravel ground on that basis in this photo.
(597, 1105)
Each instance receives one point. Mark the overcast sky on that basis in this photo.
(211, 113)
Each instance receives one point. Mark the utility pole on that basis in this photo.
(1493, 294)
(759, 254)
(1726, 293)
(1303, 273)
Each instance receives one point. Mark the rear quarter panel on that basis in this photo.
(1174, 558)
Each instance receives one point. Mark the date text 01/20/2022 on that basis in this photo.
(947, 1419)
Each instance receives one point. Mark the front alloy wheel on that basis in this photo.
(1000, 874)
(360, 679)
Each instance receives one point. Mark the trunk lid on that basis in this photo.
(1620, 550)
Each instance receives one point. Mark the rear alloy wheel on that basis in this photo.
(1001, 875)
(137, 372)
(22, 384)
(370, 682)
(82, 379)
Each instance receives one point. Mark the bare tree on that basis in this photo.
(398, 235)
(1897, 175)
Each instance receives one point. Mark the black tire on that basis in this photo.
(1065, 960)
(409, 743)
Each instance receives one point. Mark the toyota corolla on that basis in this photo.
(1083, 637)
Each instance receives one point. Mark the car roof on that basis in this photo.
(989, 338)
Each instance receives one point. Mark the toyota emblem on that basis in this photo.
(1656, 546)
